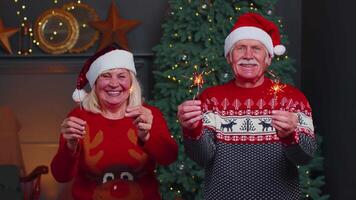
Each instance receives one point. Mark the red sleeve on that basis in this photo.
(64, 164)
(160, 145)
(300, 105)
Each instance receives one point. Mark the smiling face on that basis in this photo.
(249, 60)
(113, 88)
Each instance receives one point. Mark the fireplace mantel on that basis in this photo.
(54, 64)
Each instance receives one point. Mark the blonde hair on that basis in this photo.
(91, 102)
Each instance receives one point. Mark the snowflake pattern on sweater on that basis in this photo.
(236, 144)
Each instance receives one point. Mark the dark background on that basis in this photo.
(328, 77)
(322, 43)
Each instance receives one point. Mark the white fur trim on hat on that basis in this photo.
(79, 95)
(248, 32)
(111, 60)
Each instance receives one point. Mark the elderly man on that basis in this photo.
(248, 137)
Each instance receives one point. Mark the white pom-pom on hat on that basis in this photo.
(79, 95)
(279, 50)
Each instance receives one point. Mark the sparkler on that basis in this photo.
(276, 88)
(81, 109)
(198, 81)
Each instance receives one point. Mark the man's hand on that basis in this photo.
(284, 122)
(143, 119)
(189, 114)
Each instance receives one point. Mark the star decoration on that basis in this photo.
(114, 29)
(5, 33)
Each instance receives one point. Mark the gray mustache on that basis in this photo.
(247, 62)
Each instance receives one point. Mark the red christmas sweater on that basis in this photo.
(110, 163)
(240, 150)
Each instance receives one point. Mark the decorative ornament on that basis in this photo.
(83, 13)
(204, 5)
(184, 57)
(56, 31)
(114, 29)
(181, 166)
(5, 33)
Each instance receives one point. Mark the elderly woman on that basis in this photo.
(111, 144)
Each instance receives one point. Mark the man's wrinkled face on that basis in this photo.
(249, 60)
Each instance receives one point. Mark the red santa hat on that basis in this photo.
(255, 26)
(108, 58)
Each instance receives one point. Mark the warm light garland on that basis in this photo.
(26, 31)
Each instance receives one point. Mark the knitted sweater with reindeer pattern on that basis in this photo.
(110, 163)
(238, 147)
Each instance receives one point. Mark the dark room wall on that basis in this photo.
(329, 80)
(290, 11)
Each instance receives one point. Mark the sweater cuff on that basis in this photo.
(71, 153)
(148, 144)
(290, 140)
(193, 134)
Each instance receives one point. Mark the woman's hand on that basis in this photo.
(73, 129)
(143, 119)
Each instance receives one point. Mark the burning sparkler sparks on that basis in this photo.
(198, 81)
(276, 88)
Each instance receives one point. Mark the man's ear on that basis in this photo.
(228, 58)
(268, 60)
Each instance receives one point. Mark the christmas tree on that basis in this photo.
(192, 44)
